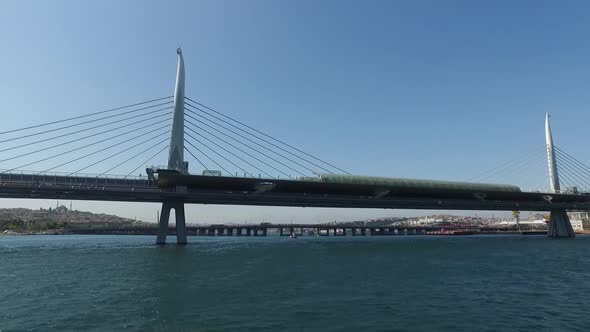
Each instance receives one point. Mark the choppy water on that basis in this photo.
(480, 283)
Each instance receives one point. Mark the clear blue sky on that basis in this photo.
(424, 89)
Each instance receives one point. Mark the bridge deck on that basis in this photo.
(110, 189)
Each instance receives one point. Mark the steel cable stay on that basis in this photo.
(77, 149)
(565, 167)
(548, 183)
(84, 116)
(566, 180)
(258, 137)
(250, 140)
(543, 187)
(86, 137)
(242, 151)
(518, 171)
(123, 151)
(195, 157)
(535, 163)
(213, 160)
(518, 165)
(513, 168)
(145, 162)
(574, 158)
(250, 164)
(81, 123)
(583, 181)
(572, 167)
(133, 157)
(565, 177)
(266, 135)
(506, 164)
(583, 167)
(103, 149)
(233, 154)
(95, 127)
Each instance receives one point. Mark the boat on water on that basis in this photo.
(292, 236)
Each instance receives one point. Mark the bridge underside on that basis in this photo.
(512, 201)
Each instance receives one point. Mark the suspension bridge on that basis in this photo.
(75, 159)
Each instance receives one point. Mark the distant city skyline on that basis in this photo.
(420, 90)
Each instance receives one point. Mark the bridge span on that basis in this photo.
(247, 192)
(274, 172)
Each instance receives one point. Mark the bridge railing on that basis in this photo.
(26, 176)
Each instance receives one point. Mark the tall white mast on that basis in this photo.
(553, 176)
(176, 156)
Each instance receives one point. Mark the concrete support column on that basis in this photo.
(559, 224)
(180, 223)
(164, 221)
(163, 224)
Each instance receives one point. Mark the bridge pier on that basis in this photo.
(164, 221)
(559, 224)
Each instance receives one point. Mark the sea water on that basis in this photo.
(390, 283)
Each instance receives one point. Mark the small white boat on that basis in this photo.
(292, 236)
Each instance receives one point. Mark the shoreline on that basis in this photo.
(154, 232)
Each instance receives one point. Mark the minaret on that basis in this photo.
(176, 156)
(553, 176)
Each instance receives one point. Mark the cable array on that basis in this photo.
(572, 172)
(532, 167)
(91, 142)
(119, 139)
(513, 168)
(246, 149)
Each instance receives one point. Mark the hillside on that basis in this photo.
(59, 220)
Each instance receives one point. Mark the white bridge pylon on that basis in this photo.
(559, 222)
(176, 155)
(176, 160)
